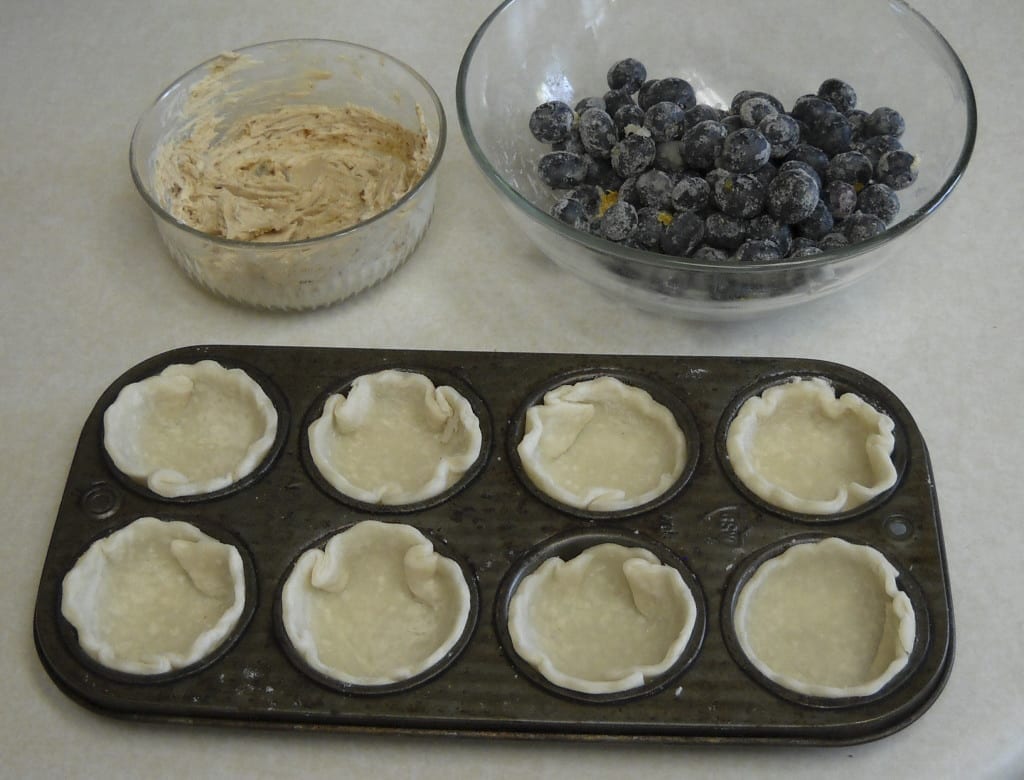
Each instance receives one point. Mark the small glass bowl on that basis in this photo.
(317, 271)
(531, 51)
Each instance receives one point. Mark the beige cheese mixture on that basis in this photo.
(294, 173)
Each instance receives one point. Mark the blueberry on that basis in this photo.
(597, 132)
(852, 167)
(874, 147)
(898, 169)
(571, 212)
(601, 173)
(841, 199)
(571, 144)
(702, 144)
(691, 193)
(833, 241)
(885, 121)
(744, 151)
(758, 251)
(683, 234)
(881, 200)
(668, 156)
(629, 114)
(782, 132)
(857, 118)
(633, 154)
(766, 173)
(801, 243)
(754, 109)
(701, 112)
(792, 196)
(745, 94)
(739, 195)
(809, 109)
(860, 226)
(672, 89)
(811, 155)
(839, 94)
(654, 189)
(627, 191)
(805, 251)
(831, 133)
(818, 224)
(800, 165)
(589, 196)
(665, 120)
(725, 232)
(627, 75)
(649, 227)
(710, 254)
(614, 99)
(768, 228)
(619, 221)
(552, 122)
(732, 122)
(642, 94)
(594, 101)
(562, 170)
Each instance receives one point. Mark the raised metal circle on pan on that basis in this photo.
(277, 398)
(439, 378)
(416, 680)
(744, 571)
(568, 545)
(871, 392)
(70, 635)
(672, 401)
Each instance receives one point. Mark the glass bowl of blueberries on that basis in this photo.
(716, 161)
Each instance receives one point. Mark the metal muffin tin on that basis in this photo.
(498, 529)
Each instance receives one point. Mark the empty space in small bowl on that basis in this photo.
(824, 618)
(376, 607)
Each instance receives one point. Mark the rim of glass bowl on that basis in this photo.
(828, 257)
(160, 211)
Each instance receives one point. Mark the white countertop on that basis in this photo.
(87, 291)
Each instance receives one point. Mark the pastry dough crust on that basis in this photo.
(376, 606)
(395, 439)
(602, 445)
(826, 619)
(608, 620)
(799, 447)
(191, 429)
(154, 596)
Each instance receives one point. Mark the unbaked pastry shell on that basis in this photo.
(191, 429)
(826, 619)
(799, 447)
(395, 439)
(378, 605)
(602, 445)
(608, 620)
(153, 597)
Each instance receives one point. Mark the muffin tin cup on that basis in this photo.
(493, 523)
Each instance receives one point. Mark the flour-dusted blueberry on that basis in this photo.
(665, 120)
(767, 227)
(792, 196)
(744, 151)
(571, 212)
(852, 167)
(649, 227)
(589, 196)
(759, 251)
(598, 132)
(885, 121)
(739, 195)
(833, 240)
(841, 199)
(809, 109)
(674, 90)
(782, 132)
(881, 200)
(766, 173)
(633, 154)
(668, 157)
(702, 144)
(627, 191)
(725, 232)
(857, 118)
(805, 251)
(601, 173)
(811, 155)
(860, 227)
(745, 94)
(552, 121)
(627, 75)
(701, 112)
(874, 147)
(571, 144)
(691, 193)
(839, 94)
(710, 254)
(619, 222)
(591, 101)
(801, 243)
(732, 123)
(683, 235)
(897, 169)
(831, 133)
(800, 165)
(654, 189)
(629, 114)
(754, 109)
(562, 170)
(614, 99)
(818, 224)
